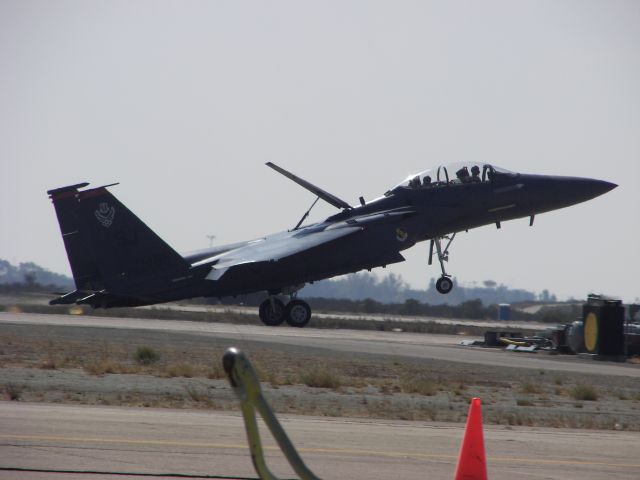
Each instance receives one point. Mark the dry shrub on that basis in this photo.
(198, 395)
(49, 364)
(104, 365)
(145, 356)
(321, 378)
(419, 385)
(582, 391)
(181, 369)
(216, 371)
(531, 388)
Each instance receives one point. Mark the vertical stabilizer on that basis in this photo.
(83, 267)
(109, 247)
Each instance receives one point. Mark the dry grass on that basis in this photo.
(582, 391)
(531, 388)
(313, 381)
(50, 363)
(199, 395)
(145, 355)
(419, 385)
(13, 391)
(180, 369)
(216, 371)
(105, 365)
(321, 378)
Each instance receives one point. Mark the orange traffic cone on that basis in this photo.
(472, 463)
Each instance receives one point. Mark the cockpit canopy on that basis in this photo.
(452, 174)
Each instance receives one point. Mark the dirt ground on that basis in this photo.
(162, 369)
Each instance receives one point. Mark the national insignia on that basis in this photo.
(401, 234)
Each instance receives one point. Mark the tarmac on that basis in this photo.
(124, 441)
(44, 441)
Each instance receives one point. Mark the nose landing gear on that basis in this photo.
(444, 284)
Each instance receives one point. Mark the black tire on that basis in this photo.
(297, 313)
(444, 285)
(270, 316)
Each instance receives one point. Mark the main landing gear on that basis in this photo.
(273, 312)
(444, 283)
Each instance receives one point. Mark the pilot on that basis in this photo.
(475, 173)
(463, 175)
(426, 181)
(414, 182)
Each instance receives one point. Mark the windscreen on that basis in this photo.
(453, 173)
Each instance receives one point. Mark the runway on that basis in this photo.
(398, 344)
(111, 439)
(213, 443)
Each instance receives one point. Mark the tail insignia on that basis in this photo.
(105, 214)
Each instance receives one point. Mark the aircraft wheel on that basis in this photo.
(272, 316)
(297, 313)
(444, 285)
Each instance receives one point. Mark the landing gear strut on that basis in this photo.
(444, 283)
(273, 312)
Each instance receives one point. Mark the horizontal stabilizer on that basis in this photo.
(326, 196)
(71, 188)
(68, 298)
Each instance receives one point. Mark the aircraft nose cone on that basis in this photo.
(600, 187)
(572, 190)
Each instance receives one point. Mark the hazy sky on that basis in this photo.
(183, 102)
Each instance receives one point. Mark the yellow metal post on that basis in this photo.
(246, 386)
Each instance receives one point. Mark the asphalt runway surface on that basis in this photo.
(136, 440)
(399, 344)
(122, 441)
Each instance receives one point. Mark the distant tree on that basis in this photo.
(472, 309)
(490, 284)
(30, 279)
(411, 307)
(369, 305)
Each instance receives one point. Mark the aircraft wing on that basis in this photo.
(275, 247)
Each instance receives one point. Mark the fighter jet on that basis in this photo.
(117, 260)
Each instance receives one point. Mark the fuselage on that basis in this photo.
(405, 215)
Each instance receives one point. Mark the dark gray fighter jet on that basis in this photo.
(117, 260)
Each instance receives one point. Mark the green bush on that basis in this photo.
(145, 356)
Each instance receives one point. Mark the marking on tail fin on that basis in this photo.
(105, 214)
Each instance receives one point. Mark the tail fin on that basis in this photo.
(85, 271)
(109, 248)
